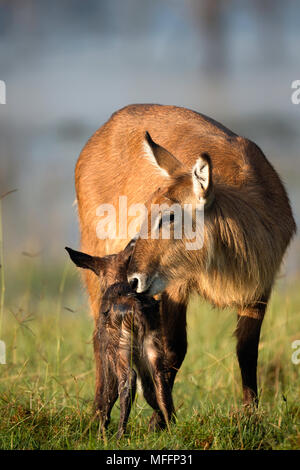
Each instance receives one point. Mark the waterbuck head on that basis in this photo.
(171, 238)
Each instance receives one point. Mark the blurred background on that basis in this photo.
(69, 64)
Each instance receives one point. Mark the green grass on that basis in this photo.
(47, 385)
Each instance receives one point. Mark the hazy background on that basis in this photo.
(69, 64)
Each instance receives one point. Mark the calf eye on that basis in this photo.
(105, 312)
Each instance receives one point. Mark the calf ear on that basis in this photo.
(165, 162)
(202, 177)
(82, 260)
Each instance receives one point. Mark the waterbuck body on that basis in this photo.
(166, 154)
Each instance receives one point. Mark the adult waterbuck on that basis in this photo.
(166, 154)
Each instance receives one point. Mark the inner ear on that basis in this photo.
(160, 157)
(202, 177)
(127, 252)
(129, 247)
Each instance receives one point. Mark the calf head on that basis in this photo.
(110, 269)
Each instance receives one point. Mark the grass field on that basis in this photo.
(47, 385)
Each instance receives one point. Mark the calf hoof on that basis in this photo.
(120, 434)
(157, 422)
(98, 415)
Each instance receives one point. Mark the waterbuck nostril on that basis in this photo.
(133, 283)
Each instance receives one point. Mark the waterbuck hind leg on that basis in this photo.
(248, 332)
(127, 391)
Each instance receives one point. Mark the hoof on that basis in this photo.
(156, 422)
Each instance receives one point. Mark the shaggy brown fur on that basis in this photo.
(248, 219)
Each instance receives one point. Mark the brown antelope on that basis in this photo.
(129, 333)
(248, 222)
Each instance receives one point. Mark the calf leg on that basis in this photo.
(157, 393)
(164, 397)
(106, 393)
(109, 399)
(92, 283)
(99, 373)
(157, 420)
(127, 390)
(248, 332)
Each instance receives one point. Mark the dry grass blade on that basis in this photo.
(7, 193)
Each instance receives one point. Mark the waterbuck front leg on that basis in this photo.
(248, 332)
(173, 319)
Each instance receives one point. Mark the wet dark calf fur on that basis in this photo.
(129, 341)
(130, 335)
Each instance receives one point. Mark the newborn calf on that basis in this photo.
(130, 335)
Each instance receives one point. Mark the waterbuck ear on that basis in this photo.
(202, 177)
(127, 252)
(160, 157)
(82, 260)
(130, 246)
